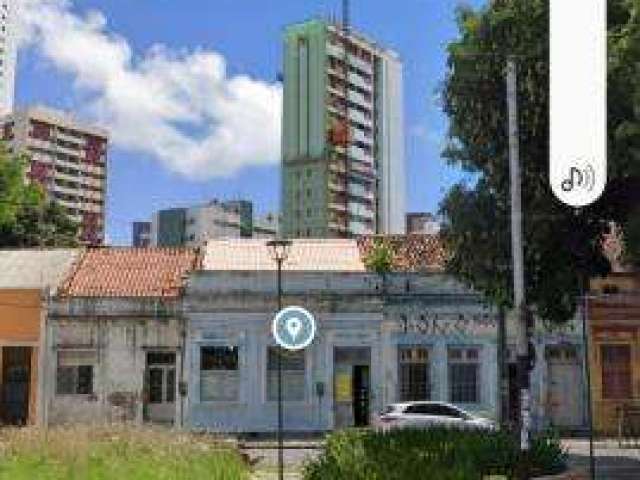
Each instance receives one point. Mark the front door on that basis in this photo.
(361, 393)
(14, 391)
(160, 383)
(564, 393)
(351, 386)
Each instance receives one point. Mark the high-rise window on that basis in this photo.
(413, 374)
(464, 375)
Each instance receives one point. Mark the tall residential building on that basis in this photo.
(193, 226)
(8, 54)
(69, 159)
(341, 179)
(141, 234)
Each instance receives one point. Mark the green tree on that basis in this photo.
(562, 245)
(27, 218)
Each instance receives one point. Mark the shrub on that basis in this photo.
(438, 454)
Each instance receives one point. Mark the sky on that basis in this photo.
(189, 93)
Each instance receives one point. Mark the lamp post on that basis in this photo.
(279, 252)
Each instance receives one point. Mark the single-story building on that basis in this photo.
(614, 319)
(27, 277)
(115, 338)
(183, 337)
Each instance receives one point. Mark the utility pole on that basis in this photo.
(518, 260)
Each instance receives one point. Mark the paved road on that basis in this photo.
(612, 462)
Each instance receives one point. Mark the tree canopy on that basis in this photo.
(27, 217)
(562, 245)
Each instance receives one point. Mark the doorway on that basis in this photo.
(15, 386)
(564, 391)
(160, 386)
(361, 394)
(352, 386)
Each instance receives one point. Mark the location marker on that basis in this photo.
(294, 325)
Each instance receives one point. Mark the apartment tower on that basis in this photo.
(8, 54)
(69, 159)
(341, 178)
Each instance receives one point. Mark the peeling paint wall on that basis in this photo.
(117, 346)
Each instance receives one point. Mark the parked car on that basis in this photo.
(430, 414)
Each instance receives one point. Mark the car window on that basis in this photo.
(423, 409)
(452, 412)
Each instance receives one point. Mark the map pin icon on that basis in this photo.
(294, 325)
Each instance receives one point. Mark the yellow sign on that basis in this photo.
(343, 391)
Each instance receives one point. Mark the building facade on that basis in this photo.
(141, 234)
(422, 223)
(27, 278)
(114, 338)
(183, 336)
(69, 159)
(194, 226)
(343, 135)
(406, 336)
(8, 54)
(614, 319)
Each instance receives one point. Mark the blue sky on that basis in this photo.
(248, 35)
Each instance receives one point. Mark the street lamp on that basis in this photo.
(279, 250)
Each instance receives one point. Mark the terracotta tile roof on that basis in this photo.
(130, 272)
(411, 253)
(305, 255)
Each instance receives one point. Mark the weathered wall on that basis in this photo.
(120, 344)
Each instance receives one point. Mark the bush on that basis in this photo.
(438, 454)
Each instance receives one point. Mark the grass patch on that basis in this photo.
(115, 453)
(437, 454)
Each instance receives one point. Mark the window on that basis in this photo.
(464, 373)
(219, 374)
(413, 374)
(293, 374)
(74, 374)
(616, 371)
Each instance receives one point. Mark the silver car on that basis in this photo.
(431, 414)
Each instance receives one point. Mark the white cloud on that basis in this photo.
(181, 108)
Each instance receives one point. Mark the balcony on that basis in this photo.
(360, 155)
(360, 99)
(360, 82)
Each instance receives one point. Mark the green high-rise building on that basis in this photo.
(331, 189)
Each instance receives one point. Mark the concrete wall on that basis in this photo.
(120, 342)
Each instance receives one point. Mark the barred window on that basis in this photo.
(293, 374)
(414, 379)
(616, 371)
(464, 375)
(219, 374)
(74, 375)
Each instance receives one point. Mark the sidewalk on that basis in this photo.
(264, 455)
(612, 462)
